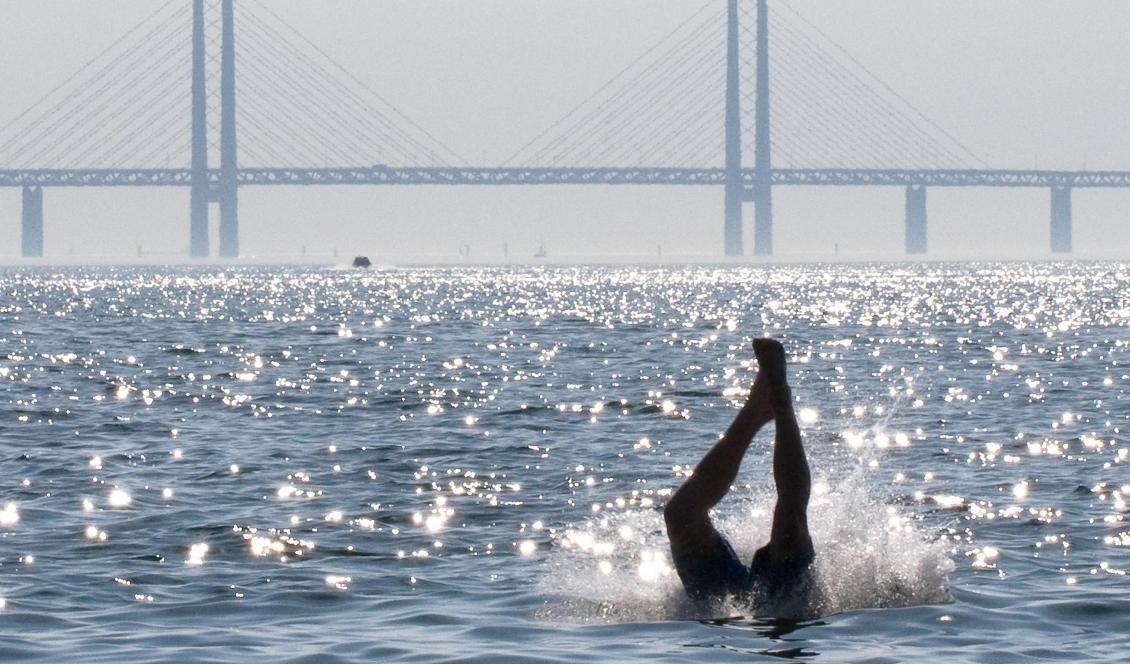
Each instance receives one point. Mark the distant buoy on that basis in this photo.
(362, 261)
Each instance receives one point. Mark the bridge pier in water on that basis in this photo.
(31, 237)
(916, 239)
(1061, 220)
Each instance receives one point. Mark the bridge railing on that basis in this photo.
(469, 175)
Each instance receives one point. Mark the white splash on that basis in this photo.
(869, 555)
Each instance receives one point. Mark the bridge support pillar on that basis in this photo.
(198, 224)
(763, 220)
(733, 220)
(31, 239)
(229, 173)
(735, 188)
(1061, 220)
(763, 174)
(916, 242)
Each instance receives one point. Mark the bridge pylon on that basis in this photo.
(199, 194)
(762, 190)
(203, 190)
(734, 187)
(229, 164)
(763, 162)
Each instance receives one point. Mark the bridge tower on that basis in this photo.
(763, 163)
(199, 194)
(762, 194)
(735, 189)
(203, 190)
(229, 165)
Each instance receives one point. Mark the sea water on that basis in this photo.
(445, 464)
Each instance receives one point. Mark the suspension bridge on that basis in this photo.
(711, 104)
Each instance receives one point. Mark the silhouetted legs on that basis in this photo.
(789, 539)
(696, 546)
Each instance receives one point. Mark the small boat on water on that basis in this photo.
(362, 262)
(541, 251)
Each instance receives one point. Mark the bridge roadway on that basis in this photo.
(387, 175)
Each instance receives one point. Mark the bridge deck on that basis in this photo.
(385, 175)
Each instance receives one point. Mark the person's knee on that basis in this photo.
(670, 512)
(675, 512)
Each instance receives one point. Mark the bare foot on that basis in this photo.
(771, 364)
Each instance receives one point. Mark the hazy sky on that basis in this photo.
(1024, 83)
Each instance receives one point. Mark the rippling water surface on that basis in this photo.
(439, 464)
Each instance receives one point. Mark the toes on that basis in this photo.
(770, 358)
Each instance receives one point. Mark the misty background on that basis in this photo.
(1023, 83)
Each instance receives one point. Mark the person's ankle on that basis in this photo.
(782, 398)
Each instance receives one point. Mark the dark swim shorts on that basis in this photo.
(716, 574)
(772, 582)
(722, 573)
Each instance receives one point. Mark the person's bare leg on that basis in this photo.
(790, 538)
(687, 514)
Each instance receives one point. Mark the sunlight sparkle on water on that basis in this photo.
(120, 498)
(949, 502)
(920, 389)
(10, 515)
(434, 523)
(339, 582)
(196, 553)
